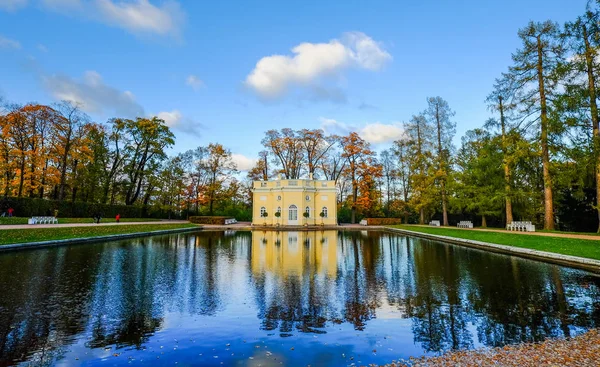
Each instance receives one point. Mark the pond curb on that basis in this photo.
(76, 241)
(566, 260)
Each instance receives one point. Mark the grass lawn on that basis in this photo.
(23, 220)
(566, 246)
(10, 236)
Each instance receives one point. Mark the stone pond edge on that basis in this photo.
(76, 241)
(567, 260)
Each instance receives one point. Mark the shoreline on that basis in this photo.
(549, 257)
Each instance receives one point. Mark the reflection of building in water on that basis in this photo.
(294, 253)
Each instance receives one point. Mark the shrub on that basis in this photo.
(208, 220)
(382, 221)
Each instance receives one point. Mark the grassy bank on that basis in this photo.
(10, 236)
(589, 248)
(23, 220)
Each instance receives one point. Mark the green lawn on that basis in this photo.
(566, 246)
(10, 236)
(23, 220)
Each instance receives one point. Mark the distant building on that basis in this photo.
(291, 199)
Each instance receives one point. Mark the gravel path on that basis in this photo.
(580, 351)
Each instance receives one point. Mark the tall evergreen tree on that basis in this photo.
(532, 80)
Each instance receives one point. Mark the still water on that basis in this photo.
(278, 298)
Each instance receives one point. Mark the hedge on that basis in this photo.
(383, 221)
(28, 207)
(208, 219)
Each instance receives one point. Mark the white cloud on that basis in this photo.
(140, 16)
(135, 16)
(172, 118)
(375, 132)
(177, 121)
(42, 48)
(92, 94)
(242, 162)
(194, 82)
(12, 5)
(8, 43)
(274, 75)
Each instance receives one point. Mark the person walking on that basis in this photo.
(10, 211)
(118, 218)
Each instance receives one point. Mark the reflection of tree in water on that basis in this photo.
(44, 303)
(440, 318)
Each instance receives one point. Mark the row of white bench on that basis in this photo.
(42, 220)
(230, 221)
(465, 224)
(521, 226)
(435, 223)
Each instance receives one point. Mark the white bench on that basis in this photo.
(363, 222)
(230, 221)
(465, 224)
(520, 226)
(42, 220)
(435, 223)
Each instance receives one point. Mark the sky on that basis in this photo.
(228, 71)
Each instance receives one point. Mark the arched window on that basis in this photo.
(263, 210)
(279, 209)
(293, 212)
(324, 211)
(307, 210)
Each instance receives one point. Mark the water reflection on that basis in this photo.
(329, 297)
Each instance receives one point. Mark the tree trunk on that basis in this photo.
(22, 178)
(483, 221)
(421, 216)
(548, 202)
(507, 188)
(594, 114)
(444, 204)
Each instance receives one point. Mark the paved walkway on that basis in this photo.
(25, 226)
(544, 234)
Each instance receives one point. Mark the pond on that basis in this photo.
(323, 298)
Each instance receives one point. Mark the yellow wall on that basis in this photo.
(314, 194)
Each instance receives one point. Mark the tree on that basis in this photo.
(419, 136)
(583, 40)
(149, 138)
(316, 145)
(439, 115)
(390, 173)
(361, 169)
(401, 150)
(69, 129)
(532, 80)
(287, 150)
(480, 183)
(497, 102)
(218, 165)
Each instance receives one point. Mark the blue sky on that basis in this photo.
(226, 71)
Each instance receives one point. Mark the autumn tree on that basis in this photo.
(361, 170)
(532, 81)
(219, 166)
(401, 151)
(420, 134)
(439, 115)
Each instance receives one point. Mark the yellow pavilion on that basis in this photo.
(284, 202)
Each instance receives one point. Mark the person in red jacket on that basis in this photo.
(118, 218)
(10, 212)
